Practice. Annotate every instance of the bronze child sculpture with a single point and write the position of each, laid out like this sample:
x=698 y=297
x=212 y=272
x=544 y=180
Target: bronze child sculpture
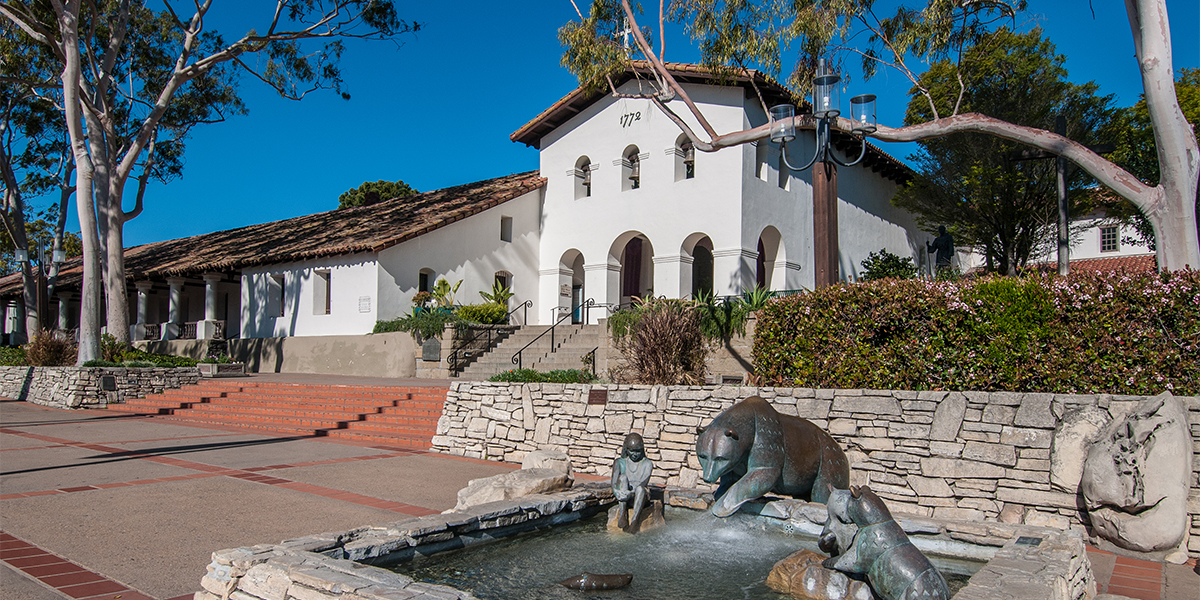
x=631 y=479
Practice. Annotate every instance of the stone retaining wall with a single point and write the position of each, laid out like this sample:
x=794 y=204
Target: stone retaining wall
x=81 y=387
x=946 y=455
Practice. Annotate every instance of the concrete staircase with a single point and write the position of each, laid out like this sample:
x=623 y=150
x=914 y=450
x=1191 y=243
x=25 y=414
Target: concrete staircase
x=571 y=343
x=398 y=416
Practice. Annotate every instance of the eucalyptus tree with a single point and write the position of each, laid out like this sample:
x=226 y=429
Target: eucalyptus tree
x=1005 y=208
x=738 y=34
x=34 y=156
x=134 y=79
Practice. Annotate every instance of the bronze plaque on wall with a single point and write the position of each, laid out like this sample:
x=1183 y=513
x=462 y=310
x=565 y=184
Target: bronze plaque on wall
x=598 y=396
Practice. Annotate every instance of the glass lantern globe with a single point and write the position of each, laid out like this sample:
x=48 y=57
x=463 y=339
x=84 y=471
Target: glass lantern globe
x=862 y=112
x=782 y=128
x=827 y=101
x=22 y=256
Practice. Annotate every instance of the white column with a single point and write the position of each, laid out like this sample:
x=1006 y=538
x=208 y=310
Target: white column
x=64 y=311
x=137 y=331
x=673 y=276
x=207 y=329
x=170 y=329
x=602 y=282
x=733 y=271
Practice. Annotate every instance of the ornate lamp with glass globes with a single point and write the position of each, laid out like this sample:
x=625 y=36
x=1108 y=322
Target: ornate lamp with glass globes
x=826 y=108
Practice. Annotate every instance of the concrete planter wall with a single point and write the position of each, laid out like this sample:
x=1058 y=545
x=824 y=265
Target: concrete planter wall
x=89 y=387
x=946 y=455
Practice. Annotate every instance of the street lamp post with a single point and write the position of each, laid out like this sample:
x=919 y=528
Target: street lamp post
x=826 y=109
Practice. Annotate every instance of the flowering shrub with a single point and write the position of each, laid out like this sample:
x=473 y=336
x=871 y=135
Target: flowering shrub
x=1113 y=333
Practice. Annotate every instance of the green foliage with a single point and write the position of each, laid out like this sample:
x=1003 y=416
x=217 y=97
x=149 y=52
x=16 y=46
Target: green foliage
x=664 y=345
x=216 y=360
x=443 y=292
x=96 y=362
x=422 y=299
x=500 y=294
x=884 y=264
x=1087 y=333
x=489 y=313
x=372 y=192
x=720 y=320
x=423 y=324
x=111 y=349
x=12 y=356
x=756 y=298
x=532 y=376
x=133 y=355
x=50 y=349
x=1004 y=208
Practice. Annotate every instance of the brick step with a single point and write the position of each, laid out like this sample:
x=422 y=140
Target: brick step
x=402 y=421
x=141 y=406
x=319 y=395
x=415 y=442
x=302 y=422
x=272 y=426
x=365 y=427
x=280 y=412
x=326 y=401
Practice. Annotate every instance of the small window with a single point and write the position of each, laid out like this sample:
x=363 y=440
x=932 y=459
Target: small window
x=631 y=169
x=506 y=229
x=761 y=149
x=685 y=159
x=279 y=288
x=423 y=280
x=1110 y=241
x=582 y=174
x=784 y=172
x=321 y=292
x=502 y=279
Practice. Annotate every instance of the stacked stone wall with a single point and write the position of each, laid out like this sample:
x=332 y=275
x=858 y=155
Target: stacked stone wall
x=81 y=387
x=946 y=455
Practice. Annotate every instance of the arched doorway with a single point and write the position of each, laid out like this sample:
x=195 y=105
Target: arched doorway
x=700 y=248
x=635 y=255
x=770 y=266
x=570 y=279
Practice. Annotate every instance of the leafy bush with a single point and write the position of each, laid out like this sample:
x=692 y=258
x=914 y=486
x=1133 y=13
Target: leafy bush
x=722 y=319
x=12 y=356
x=663 y=344
x=423 y=324
x=96 y=362
x=111 y=349
x=500 y=294
x=532 y=376
x=489 y=313
x=885 y=265
x=138 y=364
x=1115 y=333
x=51 y=349
x=216 y=360
x=133 y=355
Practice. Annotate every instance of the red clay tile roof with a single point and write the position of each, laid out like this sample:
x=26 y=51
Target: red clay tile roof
x=1133 y=264
x=336 y=232
x=773 y=92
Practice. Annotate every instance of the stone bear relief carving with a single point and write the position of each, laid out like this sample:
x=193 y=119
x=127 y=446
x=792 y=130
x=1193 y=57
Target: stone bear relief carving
x=1135 y=478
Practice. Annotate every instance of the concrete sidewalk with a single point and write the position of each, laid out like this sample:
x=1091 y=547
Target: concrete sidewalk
x=96 y=505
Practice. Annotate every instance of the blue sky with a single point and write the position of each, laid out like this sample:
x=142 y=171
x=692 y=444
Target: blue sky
x=438 y=110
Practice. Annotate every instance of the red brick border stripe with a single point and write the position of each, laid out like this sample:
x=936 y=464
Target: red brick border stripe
x=61 y=574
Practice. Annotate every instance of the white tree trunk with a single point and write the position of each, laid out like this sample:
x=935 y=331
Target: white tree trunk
x=89 y=318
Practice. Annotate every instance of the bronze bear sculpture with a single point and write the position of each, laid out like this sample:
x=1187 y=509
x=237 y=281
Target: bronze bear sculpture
x=753 y=449
x=864 y=539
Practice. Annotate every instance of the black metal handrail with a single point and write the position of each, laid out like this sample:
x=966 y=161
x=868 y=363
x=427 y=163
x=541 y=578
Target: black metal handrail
x=517 y=358
x=590 y=358
x=524 y=314
x=459 y=354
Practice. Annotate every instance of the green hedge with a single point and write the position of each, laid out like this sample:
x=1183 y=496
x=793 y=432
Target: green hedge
x=532 y=376
x=1088 y=333
x=488 y=313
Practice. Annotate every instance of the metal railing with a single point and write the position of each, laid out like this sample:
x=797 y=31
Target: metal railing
x=458 y=359
x=517 y=358
x=524 y=308
x=590 y=359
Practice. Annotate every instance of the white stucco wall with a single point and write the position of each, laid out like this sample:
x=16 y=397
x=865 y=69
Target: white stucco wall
x=354 y=303
x=665 y=211
x=470 y=250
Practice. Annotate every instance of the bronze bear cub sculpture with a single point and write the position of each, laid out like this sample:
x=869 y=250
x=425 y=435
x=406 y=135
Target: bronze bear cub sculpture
x=863 y=539
x=753 y=449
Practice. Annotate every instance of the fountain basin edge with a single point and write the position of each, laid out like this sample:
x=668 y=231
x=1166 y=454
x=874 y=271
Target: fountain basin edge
x=1022 y=560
